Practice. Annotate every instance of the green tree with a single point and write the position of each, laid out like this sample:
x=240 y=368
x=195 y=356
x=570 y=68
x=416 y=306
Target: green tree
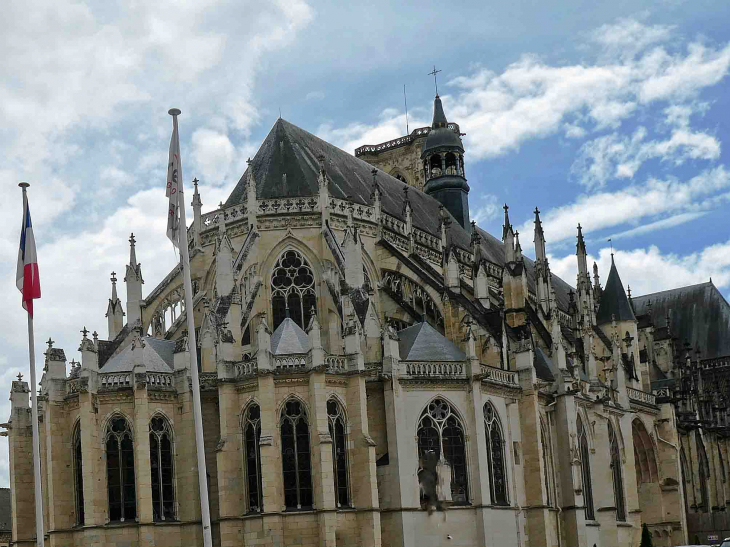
x=645 y=537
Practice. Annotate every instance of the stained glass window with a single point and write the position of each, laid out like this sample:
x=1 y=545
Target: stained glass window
x=252 y=439
x=616 y=469
x=440 y=430
x=120 y=470
x=295 y=456
x=338 y=432
x=495 y=456
x=292 y=285
x=585 y=468
x=161 y=468
x=78 y=475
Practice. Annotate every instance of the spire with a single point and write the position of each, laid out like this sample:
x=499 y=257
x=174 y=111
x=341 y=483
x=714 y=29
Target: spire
x=581 y=245
x=506 y=226
x=518 y=247
x=540 y=253
x=614 y=302
x=134 y=281
x=114 y=311
x=582 y=255
x=596 y=278
x=439 y=118
x=508 y=237
x=132 y=252
x=114 y=287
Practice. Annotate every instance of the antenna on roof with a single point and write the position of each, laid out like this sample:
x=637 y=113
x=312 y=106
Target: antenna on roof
x=609 y=240
x=405 y=102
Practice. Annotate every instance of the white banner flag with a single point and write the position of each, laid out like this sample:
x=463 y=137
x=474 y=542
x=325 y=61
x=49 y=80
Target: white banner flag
x=174 y=172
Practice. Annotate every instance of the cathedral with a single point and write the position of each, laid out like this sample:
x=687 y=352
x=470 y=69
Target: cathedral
x=377 y=370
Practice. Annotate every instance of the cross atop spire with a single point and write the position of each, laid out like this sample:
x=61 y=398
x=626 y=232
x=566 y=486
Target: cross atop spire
x=84 y=331
x=114 y=278
x=50 y=343
x=132 y=252
x=195 y=182
x=435 y=83
x=20 y=377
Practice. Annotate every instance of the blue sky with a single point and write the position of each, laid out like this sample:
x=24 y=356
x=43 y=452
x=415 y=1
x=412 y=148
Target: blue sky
x=607 y=114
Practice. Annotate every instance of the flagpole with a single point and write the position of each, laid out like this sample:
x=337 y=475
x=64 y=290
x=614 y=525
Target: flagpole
x=40 y=536
x=192 y=347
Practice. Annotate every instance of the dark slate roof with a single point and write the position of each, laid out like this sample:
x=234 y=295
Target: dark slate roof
x=440 y=135
x=289 y=338
x=614 y=302
x=421 y=342
x=699 y=314
x=5 y=510
x=294 y=151
x=157 y=356
x=543 y=366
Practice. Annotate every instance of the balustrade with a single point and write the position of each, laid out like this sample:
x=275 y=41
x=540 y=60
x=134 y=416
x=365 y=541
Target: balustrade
x=434 y=368
x=640 y=396
x=499 y=376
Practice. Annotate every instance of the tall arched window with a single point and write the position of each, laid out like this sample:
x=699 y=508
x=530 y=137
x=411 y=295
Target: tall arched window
x=618 y=481
x=722 y=463
x=440 y=430
x=704 y=474
x=495 y=456
x=686 y=478
x=78 y=475
x=547 y=460
x=120 y=470
x=644 y=456
x=292 y=285
x=162 y=469
x=585 y=469
x=338 y=432
x=252 y=447
x=295 y=456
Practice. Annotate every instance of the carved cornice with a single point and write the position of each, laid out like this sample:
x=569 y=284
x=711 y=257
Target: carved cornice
x=302 y=380
x=434 y=383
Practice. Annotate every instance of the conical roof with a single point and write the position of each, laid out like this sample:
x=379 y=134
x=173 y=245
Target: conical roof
x=439 y=118
x=157 y=356
x=441 y=137
x=614 y=302
x=289 y=338
x=422 y=342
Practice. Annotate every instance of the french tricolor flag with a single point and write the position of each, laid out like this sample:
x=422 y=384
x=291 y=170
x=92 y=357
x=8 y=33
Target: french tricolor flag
x=27 y=278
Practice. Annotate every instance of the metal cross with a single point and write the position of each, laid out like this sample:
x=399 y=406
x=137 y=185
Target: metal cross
x=114 y=277
x=435 y=83
x=195 y=182
x=20 y=377
x=84 y=332
x=50 y=343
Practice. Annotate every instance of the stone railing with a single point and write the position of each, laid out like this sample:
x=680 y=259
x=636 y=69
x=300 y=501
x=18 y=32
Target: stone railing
x=662 y=393
x=499 y=376
x=435 y=368
x=159 y=380
x=115 y=380
x=640 y=396
x=336 y=363
x=295 y=361
x=717 y=362
x=76 y=385
x=400 y=141
x=359 y=212
x=245 y=368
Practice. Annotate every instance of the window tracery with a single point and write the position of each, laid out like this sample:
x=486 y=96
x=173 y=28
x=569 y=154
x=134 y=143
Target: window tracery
x=338 y=432
x=495 y=456
x=585 y=468
x=252 y=447
x=78 y=475
x=292 y=287
x=162 y=469
x=441 y=431
x=414 y=296
x=618 y=483
x=296 y=456
x=120 y=470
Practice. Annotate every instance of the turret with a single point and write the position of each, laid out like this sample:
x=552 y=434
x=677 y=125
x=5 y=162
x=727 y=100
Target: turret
x=114 y=311
x=89 y=353
x=508 y=237
x=543 y=277
x=134 y=282
x=443 y=164
x=586 y=307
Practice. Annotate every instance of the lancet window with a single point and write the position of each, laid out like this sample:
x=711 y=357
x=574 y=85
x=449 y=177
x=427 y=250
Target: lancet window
x=292 y=289
x=162 y=469
x=618 y=482
x=296 y=456
x=440 y=430
x=120 y=470
x=411 y=295
x=338 y=432
x=646 y=468
x=585 y=469
x=686 y=478
x=252 y=448
x=78 y=475
x=704 y=473
x=495 y=456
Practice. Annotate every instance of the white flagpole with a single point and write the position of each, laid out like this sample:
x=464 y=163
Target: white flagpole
x=40 y=536
x=192 y=347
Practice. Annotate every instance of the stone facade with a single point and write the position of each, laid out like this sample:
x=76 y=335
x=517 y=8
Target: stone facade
x=431 y=340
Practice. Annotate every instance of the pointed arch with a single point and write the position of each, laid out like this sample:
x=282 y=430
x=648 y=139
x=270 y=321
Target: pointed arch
x=78 y=473
x=617 y=473
x=162 y=467
x=703 y=473
x=441 y=430
x=585 y=469
x=119 y=446
x=644 y=454
x=251 y=430
x=337 y=425
x=496 y=459
x=293 y=288
x=295 y=455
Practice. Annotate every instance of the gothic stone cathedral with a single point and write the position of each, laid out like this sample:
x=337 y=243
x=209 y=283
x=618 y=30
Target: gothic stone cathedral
x=377 y=370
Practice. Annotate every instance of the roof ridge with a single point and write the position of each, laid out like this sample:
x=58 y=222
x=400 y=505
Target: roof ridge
x=704 y=283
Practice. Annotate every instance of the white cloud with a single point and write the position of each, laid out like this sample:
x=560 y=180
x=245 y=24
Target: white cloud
x=669 y=222
x=635 y=203
x=314 y=96
x=649 y=270
x=486 y=208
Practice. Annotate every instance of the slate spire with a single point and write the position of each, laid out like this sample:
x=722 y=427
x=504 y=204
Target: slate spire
x=614 y=302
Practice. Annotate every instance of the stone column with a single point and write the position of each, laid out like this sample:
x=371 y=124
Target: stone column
x=230 y=479
x=141 y=418
x=271 y=469
x=20 y=444
x=363 y=479
x=603 y=496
